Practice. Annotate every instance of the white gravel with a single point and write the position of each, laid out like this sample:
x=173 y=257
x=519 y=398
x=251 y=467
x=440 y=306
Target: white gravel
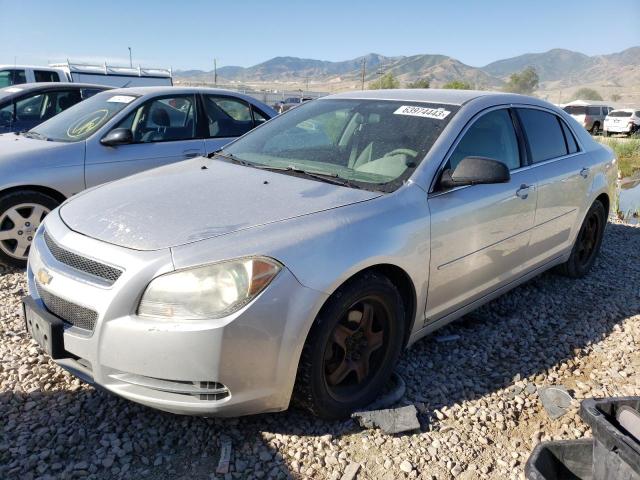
x=476 y=395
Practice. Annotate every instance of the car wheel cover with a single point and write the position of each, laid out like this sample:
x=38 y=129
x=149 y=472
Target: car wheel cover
x=588 y=239
x=356 y=348
x=18 y=225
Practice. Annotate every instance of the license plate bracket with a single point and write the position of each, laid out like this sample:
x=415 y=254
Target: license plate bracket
x=46 y=329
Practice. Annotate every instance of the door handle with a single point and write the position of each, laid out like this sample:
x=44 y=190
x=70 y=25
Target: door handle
x=523 y=191
x=584 y=173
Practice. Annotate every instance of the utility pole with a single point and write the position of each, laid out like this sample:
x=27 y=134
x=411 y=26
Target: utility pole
x=130 y=58
x=307 y=83
x=215 y=72
x=363 y=71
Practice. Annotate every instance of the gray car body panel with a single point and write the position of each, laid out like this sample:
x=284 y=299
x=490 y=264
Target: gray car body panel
x=60 y=166
x=222 y=198
x=459 y=248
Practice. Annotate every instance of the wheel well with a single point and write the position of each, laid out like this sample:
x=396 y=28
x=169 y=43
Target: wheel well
x=59 y=197
x=604 y=198
x=404 y=284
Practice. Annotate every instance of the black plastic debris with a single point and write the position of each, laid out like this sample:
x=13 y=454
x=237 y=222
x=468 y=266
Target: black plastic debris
x=561 y=460
x=613 y=452
x=616 y=449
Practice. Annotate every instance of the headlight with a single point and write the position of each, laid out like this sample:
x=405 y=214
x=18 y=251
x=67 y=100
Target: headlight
x=211 y=291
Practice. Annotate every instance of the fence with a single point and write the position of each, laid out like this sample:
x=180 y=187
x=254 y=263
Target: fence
x=270 y=97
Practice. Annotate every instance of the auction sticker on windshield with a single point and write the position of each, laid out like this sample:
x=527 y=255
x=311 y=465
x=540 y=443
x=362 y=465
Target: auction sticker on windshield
x=121 y=99
x=436 y=113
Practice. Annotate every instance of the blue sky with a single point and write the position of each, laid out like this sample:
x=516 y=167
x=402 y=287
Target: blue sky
x=189 y=34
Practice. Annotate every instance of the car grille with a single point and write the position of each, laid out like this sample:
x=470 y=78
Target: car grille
x=86 y=265
x=69 y=312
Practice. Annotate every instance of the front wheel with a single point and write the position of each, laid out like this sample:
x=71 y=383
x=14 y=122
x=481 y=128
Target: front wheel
x=20 y=215
x=588 y=242
x=352 y=347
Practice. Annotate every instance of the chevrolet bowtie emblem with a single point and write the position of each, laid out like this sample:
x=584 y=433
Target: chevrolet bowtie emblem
x=44 y=278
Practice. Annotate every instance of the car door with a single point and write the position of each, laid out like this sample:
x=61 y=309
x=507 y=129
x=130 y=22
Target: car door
x=480 y=233
x=563 y=176
x=164 y=129
x=227 y=118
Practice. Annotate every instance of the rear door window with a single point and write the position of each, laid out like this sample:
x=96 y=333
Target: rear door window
x=491 y=136
x=544 y=134
x=46 y=76
x=593 y=110
x=572 y=144
x=227 y=116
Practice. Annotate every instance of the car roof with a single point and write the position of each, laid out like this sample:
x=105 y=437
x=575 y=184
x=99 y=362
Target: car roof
x=435 y=95
x=31 y=87
x=173 y=89
x=596 y=103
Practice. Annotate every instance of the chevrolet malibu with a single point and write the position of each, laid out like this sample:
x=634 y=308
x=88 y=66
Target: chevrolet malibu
x=298 y=262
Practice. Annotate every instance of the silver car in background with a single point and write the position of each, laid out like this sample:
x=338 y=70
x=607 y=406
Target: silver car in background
x=109 y=136
x=299 y=261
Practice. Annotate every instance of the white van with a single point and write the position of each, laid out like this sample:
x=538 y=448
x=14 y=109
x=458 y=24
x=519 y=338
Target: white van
x=108 y=75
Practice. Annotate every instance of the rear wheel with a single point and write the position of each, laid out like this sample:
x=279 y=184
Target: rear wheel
x=595 y=128
x=352 y=347
x=588 y=242
x=20 y=215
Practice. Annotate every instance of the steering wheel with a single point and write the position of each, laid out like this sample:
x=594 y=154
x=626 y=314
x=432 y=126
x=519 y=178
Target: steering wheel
x=402 y=151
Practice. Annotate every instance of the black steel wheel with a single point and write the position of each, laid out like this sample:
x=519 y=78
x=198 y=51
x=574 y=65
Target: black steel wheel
x=588 y=242
x=352 y=347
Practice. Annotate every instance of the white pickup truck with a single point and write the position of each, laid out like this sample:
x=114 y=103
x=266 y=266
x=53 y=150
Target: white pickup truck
x=108 y=75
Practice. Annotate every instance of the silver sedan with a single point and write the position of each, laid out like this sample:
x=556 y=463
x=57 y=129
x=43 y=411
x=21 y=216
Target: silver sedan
x=299 y=261
x=110 y=136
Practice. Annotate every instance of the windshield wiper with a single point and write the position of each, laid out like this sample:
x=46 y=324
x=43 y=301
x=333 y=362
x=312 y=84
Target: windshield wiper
x=31 y=134
x=332 y=178
x=232 y=157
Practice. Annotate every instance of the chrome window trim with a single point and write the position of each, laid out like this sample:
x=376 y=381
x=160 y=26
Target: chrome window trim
x=478 y=115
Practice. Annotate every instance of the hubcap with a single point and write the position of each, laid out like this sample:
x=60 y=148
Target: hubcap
x=588 y=238
x=18 y=225
x=356 y=347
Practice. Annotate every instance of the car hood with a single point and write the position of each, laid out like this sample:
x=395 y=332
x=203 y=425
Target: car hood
x=197 y=199
x=12 y=145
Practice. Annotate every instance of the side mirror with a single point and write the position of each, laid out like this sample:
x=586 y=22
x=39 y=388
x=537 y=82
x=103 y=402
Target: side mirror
x=117 y=136
x=475 y=170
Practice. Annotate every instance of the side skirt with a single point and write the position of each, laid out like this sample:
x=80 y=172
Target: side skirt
x=441 y=322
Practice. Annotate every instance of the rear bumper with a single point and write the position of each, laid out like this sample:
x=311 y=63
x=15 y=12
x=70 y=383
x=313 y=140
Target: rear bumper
x=241 y=364
x=618 y=128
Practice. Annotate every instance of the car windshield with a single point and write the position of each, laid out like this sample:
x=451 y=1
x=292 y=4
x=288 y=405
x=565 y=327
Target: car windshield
x=619 y=113
x=576 y=109
x=372 y=144
x=83 y=119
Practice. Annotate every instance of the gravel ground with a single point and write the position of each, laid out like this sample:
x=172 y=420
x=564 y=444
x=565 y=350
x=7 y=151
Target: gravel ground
x=476 y=394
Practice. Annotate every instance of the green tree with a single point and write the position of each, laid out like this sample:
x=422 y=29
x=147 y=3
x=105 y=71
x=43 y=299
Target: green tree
x=420 y=83
x=457 y=85
x=586 y=94
x=524 y=82
x=385 y=81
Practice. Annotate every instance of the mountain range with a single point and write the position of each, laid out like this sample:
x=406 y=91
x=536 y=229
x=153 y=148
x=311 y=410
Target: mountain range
x=557 y=69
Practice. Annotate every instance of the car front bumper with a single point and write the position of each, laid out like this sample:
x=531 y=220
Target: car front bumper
x=241 y=364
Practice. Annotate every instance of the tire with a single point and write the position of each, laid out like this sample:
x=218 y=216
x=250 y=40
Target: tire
x=20 y=215
x=594 y=128
x=587 y=244
x=343 y=340
x=606 y=133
